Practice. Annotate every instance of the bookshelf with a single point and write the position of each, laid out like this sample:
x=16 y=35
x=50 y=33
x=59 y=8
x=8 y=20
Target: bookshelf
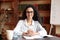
x=44 y=15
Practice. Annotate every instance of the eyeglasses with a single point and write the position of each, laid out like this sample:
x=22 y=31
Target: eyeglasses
x=29 y=11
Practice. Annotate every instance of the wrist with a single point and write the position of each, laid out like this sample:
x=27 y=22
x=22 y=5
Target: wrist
x=36 y=33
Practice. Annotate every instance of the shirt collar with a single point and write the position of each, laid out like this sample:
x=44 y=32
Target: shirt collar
x=27 y=24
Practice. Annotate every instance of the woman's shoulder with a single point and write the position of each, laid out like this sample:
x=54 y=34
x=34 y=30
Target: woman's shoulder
x=36 y=22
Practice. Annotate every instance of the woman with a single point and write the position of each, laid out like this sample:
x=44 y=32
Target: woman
x=29 y=26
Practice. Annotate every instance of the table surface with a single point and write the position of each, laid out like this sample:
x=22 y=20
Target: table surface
x=47 y=38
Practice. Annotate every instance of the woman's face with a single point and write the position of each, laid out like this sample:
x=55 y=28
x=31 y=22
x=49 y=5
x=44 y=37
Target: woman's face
x=29 y=13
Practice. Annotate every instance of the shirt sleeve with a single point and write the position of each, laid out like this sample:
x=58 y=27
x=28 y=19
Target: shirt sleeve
x=41 y=30
x=17 y=31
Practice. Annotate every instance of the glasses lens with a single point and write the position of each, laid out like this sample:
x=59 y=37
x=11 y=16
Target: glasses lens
x=29 y=11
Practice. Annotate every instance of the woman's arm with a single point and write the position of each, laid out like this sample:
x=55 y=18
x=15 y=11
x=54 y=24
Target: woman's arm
x=17 y=30
x=41 y=30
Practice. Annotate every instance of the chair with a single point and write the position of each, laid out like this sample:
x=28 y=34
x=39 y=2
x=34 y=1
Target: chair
x=9 y=34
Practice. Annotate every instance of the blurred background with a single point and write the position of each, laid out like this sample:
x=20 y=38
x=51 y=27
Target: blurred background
x=11 y=13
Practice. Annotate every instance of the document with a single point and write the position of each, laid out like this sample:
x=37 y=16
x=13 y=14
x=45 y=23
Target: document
x=32 y=37
x=36 y=36
x=49 y=36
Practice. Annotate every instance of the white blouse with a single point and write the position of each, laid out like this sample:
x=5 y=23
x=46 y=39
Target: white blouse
x=22 y=26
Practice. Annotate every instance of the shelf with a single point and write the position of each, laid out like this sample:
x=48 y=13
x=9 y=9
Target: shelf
x=44 y=20
x=44 y=13
x=36 y=2
x=44 y=7
x=6 y=0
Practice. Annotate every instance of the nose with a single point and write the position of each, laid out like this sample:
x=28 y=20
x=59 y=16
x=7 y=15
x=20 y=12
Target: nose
x=28 y=14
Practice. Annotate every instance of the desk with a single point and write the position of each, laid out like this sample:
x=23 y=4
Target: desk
x=48 y=38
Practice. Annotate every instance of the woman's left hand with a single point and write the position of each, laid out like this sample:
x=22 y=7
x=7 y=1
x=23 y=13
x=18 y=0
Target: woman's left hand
x=31 y=33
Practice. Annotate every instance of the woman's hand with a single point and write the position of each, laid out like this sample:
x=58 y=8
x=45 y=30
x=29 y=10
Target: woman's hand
x=24 y=33
x=31 y=33
x=28 y=33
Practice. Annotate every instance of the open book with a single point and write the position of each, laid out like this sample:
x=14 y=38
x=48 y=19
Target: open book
x=36 y=36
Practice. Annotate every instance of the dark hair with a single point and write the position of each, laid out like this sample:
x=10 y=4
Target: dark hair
x=35 y=17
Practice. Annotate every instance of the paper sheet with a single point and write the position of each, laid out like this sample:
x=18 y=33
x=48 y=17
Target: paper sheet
x=32 y=37
x=49 y=36
x=36 y=36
